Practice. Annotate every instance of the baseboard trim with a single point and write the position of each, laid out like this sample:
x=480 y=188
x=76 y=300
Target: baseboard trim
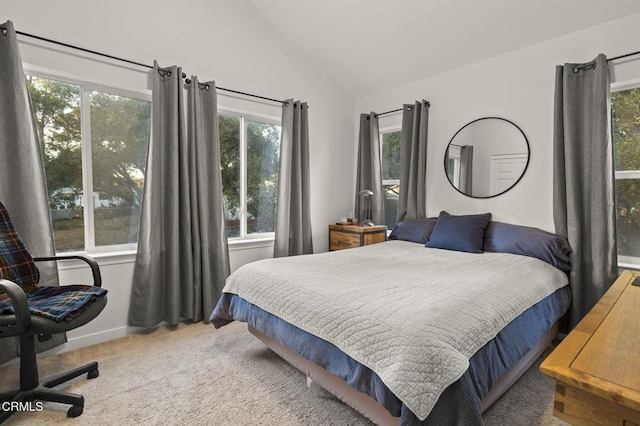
x=87 y=340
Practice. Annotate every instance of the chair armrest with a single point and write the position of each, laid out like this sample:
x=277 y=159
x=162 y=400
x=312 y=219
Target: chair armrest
x=95 y=269
x=20 y=306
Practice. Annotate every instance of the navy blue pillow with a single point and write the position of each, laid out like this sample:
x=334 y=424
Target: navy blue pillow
x=526 y=241
x=459 y=233
x=417 y=230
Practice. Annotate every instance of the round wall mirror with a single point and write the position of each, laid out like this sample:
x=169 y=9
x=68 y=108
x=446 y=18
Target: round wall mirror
x=486 y=157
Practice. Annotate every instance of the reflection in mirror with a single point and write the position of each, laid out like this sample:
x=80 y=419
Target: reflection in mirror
x=486 y=157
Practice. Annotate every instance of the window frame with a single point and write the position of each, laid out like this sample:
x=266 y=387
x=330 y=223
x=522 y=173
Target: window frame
x=245 y=116
x=629 y=262
x=86 y=87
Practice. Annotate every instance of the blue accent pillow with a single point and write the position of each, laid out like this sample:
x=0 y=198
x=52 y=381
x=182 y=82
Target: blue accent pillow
x=417 y=230
x=526 y=241
x=459 y=233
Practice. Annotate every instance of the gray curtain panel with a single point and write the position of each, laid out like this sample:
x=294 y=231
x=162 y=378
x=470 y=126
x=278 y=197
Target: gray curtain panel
x=369 y=172
x=293 y=211
x=412 y=202
x=209 y=231
x=583 y=180
x=182 y=261
x=23 y=187
x=466 y=169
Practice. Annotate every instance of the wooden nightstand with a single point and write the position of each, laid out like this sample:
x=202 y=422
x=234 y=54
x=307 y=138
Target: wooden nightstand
x=597 y=366
x=349 y=236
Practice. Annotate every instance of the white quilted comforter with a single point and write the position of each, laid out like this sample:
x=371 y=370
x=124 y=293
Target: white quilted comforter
x=413 y=315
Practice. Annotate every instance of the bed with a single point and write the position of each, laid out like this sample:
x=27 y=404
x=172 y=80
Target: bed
x=408 y=334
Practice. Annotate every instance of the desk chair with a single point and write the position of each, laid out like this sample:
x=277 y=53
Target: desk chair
x=28 y=310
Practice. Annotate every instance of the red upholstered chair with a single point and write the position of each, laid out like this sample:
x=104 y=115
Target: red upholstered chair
x=28 y=310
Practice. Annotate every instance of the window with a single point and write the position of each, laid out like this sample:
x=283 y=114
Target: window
x=94 y=144
x=250 y=155
x=390 y=146
x=625 y=106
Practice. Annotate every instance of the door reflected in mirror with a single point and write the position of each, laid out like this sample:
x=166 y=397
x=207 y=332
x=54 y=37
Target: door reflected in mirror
x=486 y=157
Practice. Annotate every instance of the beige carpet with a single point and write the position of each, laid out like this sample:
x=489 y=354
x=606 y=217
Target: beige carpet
x=197 y=375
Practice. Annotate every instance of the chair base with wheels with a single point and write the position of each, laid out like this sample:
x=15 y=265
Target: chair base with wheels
x=44 y=391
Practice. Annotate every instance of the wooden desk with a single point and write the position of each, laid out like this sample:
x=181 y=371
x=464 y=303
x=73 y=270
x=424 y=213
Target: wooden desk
x=597 y=366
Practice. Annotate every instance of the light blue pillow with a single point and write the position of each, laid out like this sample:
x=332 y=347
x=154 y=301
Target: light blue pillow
x=459 y=233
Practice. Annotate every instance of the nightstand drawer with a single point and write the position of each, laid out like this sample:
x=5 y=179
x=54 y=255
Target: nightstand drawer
x=351 y=236
x=343 y=240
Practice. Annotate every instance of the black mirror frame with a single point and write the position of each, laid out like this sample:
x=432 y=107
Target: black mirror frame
x=523 y=171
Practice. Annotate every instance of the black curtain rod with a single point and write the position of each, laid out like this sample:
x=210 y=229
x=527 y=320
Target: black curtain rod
x=593 y=64
x=93 y=52
x=623 y=56
x=395 y=110
x=389 y=112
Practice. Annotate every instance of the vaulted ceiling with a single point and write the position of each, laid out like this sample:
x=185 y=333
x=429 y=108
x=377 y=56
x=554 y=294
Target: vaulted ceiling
x=371 y=45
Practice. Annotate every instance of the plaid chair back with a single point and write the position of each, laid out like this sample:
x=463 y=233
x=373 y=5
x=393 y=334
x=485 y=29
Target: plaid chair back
x=16 y=264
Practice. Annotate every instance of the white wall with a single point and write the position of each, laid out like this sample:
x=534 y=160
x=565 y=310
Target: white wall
x=219 y=40
x=518 y=86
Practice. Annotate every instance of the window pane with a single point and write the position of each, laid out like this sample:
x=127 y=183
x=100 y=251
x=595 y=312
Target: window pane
x=626 y=143
x=263 y=153
x=451 y=170
x=230 y=164
x=625 y=120
x=391 y=195
x=57 y=111
x=391 y=142
x=119 y=144
x=628 y=217
x=391 y=155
